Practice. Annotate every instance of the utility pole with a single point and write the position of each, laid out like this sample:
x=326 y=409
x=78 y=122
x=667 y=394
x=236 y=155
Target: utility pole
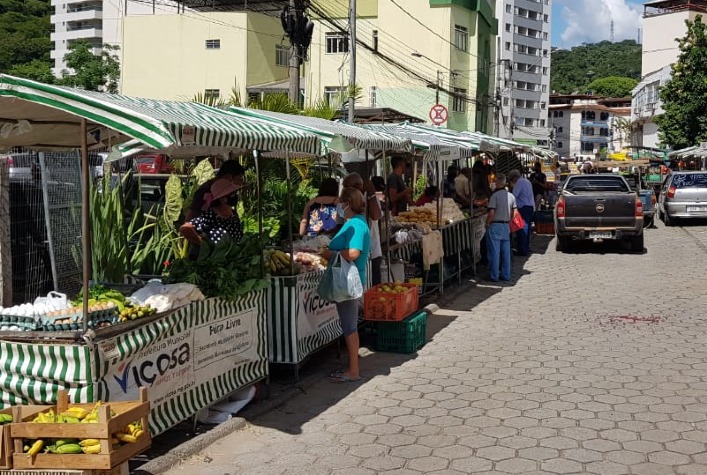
x=439 y=84
x=352 y=59
x=294 y=60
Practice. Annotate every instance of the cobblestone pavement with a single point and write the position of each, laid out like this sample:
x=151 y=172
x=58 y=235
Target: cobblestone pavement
x=592 y=361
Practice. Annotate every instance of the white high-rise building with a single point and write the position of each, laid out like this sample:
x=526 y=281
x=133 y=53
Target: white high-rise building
x=523 y=77
x=97 y=22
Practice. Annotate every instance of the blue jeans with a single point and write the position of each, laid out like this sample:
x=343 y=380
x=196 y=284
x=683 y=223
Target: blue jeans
x=523 y=235
x=499 y=252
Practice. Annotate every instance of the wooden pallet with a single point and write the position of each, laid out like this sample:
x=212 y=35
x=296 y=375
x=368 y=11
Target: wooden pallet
x=107 y=459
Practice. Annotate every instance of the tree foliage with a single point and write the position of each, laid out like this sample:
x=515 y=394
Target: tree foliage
x=24 y=36
x=612 y=86
x=573 y=70
x=90 y=71
x=684 y=121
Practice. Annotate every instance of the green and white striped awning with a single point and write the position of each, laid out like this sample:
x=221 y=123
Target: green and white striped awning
x=328 y=131
x=434 y=147
x=42 y=115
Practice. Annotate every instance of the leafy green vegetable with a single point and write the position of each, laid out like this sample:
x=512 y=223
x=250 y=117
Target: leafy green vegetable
x=228 y=269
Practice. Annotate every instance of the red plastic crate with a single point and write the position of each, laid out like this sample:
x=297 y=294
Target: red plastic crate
x=383 y=306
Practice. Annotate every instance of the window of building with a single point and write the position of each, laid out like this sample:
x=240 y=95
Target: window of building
x=508 y=45
x=213 y=44
x=545 y=36
x=529 y=122
x=505 y=101
x=508 y=27
x=588 y=115
x=542 y=122
x=546 y=18
x=545 y=70
x=587 y=147
x=282 y=55
x=604 y=116
x=333 y=95
x=375 y=40
x=461 y=37
x=560 y=145
x=373 y=95
x=559 y=130
x=544 y=88
x=211 y=94
x=509 y=8
x=459 y=102
x=543 y=105
x=337 y=43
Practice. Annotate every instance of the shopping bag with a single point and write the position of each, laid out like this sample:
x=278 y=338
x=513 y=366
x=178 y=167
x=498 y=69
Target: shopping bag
x=340 y=281
x=517 y=223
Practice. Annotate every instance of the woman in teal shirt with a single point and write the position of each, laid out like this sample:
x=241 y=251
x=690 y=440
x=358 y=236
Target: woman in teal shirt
x=352 y=242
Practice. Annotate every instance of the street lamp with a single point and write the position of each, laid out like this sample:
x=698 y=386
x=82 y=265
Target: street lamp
x=417 y=54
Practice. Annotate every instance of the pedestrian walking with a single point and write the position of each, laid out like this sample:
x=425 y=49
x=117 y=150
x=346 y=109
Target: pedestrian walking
x=502 y=207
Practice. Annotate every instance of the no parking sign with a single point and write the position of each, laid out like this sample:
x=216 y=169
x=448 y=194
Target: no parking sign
x=438 y=114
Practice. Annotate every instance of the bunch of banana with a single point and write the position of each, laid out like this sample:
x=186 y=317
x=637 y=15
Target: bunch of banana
x=279 y=262
x=48 y=417
x=64 y=446
x=75 y=412
x=32 y=447
x=131 y=313
x=90 y=446
x=130 y=433
x=5 y=419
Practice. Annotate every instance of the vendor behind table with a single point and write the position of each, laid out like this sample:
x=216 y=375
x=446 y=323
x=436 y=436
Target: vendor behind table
x=320 y=215
x=218 y=219
x=399 y=193
x=231 y=171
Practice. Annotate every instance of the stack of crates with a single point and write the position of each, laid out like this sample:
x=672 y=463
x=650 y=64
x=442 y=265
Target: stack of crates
x=401 y=327
x=544 y=222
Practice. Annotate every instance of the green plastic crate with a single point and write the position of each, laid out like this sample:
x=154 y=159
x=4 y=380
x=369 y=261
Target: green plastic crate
x=406 y=336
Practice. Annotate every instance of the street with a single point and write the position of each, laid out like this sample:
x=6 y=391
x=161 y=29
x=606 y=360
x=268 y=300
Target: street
x=592 y=361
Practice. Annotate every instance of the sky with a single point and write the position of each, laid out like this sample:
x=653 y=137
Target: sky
x=588 y=21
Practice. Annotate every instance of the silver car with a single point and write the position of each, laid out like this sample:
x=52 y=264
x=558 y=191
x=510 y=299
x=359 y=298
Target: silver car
x=683 y=195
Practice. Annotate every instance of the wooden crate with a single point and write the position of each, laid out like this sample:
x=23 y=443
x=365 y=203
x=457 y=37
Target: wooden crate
x=122 y=469
x=107 y=459
x=544 y=228
x=6 y=439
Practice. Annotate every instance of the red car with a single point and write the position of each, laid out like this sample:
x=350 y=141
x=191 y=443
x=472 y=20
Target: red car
x=154 y=164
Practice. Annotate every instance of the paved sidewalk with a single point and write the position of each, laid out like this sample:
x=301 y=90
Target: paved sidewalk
x=589 y=362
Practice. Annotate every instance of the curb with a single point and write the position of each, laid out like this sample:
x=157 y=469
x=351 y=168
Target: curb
x=187 y=449
x=192 y=447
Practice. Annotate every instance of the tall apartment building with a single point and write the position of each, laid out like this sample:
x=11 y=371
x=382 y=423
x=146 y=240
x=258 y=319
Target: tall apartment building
x=97 y=22
x=523 y=77
x=663 y=21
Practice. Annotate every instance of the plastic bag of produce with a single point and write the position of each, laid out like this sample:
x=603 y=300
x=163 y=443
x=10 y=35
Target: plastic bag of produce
x=340 y=281
x=53 y=301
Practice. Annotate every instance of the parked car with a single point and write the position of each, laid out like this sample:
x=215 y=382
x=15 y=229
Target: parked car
x=647 y=197
x=683 y=196
x=23 y=166
x=598 y=207
x=153 y=164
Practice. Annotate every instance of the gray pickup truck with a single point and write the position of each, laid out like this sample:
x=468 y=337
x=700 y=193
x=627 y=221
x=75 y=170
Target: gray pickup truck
x=598 y=207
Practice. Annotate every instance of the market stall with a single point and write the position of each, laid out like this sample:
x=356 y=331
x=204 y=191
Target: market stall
x=189 y=354
x=299 y=322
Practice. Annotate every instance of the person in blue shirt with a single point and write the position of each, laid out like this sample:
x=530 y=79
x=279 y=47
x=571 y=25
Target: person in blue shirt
x=523 y=191
x=352 y=242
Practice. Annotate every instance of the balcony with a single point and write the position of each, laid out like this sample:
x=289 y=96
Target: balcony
x=602 y=124
x=83 y=15
x=594 y=139
x=83 y=34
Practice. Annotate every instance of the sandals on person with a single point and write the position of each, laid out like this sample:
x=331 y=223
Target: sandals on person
x=342 y=378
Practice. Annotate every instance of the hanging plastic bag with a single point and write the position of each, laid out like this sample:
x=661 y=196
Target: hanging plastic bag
x=340 y=282
x=53 y=301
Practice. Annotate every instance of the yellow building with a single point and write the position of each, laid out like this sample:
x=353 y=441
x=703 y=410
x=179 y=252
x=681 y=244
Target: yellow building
x=178 y=56
x=410 y=52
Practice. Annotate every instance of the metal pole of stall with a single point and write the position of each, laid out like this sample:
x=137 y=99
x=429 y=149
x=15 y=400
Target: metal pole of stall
x=289 y=212
x=472 y=234
x=85 y=220
x=387 y=218
x=259 y=199
x=440 y=208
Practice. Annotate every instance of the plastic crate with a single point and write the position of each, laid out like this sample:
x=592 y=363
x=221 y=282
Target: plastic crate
x=406 y=336
x=379 y=305
x=544 y=228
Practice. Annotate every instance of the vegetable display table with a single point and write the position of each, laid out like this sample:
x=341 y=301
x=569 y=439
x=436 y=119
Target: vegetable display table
x=189 y=358
x=299 y=322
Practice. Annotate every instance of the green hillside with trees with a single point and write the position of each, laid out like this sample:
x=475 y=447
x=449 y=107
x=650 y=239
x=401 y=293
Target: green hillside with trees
x=574 y=69
x=24 y=36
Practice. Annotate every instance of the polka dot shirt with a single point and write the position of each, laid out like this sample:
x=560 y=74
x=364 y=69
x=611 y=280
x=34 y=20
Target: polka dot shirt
x=214 y=227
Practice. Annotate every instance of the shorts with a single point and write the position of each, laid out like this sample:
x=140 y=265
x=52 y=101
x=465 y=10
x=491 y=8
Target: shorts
x=348 y=315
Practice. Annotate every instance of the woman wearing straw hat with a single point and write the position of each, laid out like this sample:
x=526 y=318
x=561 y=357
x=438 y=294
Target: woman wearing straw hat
x=218 y=219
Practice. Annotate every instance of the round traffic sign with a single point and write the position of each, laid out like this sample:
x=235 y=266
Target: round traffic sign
x=438 y=114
